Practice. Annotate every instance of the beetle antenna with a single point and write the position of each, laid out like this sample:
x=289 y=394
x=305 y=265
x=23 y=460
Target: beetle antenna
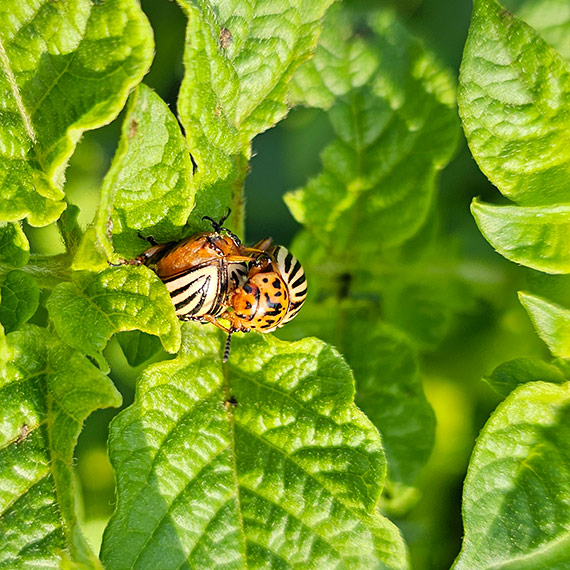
x=227 y=349
x=225 y=217
x=215 y=225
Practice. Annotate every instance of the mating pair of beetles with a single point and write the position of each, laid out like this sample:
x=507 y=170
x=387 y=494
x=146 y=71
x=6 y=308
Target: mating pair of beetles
x=212 y=275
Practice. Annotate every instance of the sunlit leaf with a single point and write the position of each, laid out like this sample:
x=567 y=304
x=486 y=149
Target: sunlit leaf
x=514 y=99
x=65 y=67
x=14 y=246
x=388 y=382
x=552 y=322
x=264 y=463
x=537 y=237
x=47 y=392
x=86 y=314
x=550 y=18
x=148 y=189
x=238 y=59
x=515 y=503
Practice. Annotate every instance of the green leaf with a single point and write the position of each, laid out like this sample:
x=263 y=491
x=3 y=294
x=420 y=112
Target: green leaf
x=388 y=382
x=47 y=391
x=264 y=463
x=422 y=301
x=14 y=246
x=91 y=52
x=537 y=237
x=238 y=60
x=552 y=322
x=148 y=188
x=396 y=127
x=138 y=347
x=508 y=375
x=550 y=18
x=390 y=393
x=515 y=501
x=514 y=100
x=88 y=313
x=552 y=287
x=20 y=296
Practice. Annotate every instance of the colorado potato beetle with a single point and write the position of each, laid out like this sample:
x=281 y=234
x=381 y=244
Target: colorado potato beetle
x=212 y=276
x=200 y=271
x=273 y=293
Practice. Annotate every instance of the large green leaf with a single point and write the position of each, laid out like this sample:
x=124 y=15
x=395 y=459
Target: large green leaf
x=87 y=313
x=514 y=99
x=47 y=392
x=537 y=237
x=238 y=59
x=20 y=299
x=388 y=382
x=148 y=189
x=14 y=246
x=516 y=510
x=396 y=127
x=264 y=463
x=64 y=67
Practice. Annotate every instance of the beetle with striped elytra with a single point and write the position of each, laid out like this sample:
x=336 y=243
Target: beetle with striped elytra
x=212 y=276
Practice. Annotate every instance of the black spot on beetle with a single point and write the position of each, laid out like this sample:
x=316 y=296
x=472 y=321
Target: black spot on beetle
x=275 y=313
x=271 y=304
x=247 y=305
x=277 y=283
x=265 y=280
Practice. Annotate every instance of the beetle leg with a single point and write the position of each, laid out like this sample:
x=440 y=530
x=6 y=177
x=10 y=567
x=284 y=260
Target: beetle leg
x=217 y=323
x=261 y=246
x=227 y=347
x=239 y=258
x=146 y=256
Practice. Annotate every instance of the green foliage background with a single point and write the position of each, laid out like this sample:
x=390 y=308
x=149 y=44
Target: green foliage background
x=448 y=301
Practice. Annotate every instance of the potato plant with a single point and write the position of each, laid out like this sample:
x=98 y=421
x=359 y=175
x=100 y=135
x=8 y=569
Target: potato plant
x=309 y=448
